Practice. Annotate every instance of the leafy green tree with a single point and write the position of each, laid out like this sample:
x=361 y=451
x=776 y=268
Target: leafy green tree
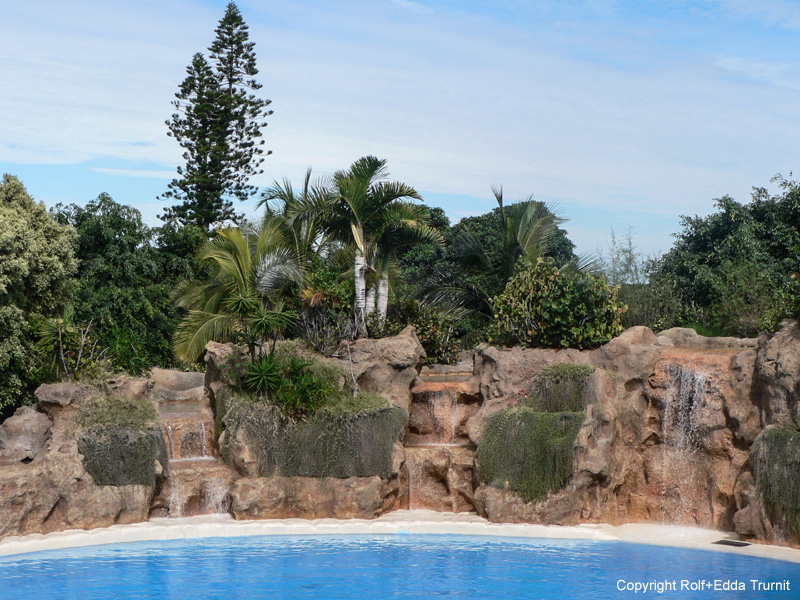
x=126 y=275
x=353 y=206
x=37 y=266
x=243 y=297
x=401 y=225
x=546 y=306
x=218 y=124
x=734 y=267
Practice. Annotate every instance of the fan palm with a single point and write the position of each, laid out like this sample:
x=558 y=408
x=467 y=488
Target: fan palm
x=287 y=208
x=243 y=298
x=527 y=230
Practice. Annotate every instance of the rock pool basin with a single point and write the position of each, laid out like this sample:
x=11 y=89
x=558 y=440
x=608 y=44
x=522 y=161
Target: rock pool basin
x=407 y=554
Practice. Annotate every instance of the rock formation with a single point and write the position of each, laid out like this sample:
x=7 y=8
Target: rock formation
x=678 y=429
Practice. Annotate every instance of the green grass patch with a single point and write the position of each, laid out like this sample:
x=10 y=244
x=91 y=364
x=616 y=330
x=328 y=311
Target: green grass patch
x=560 y=387
x=776 y=460
x=528 y=451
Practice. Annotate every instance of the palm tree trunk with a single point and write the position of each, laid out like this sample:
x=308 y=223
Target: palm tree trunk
x=383 y=297
x=383 y=288
x=371 y=300
x=360 y=302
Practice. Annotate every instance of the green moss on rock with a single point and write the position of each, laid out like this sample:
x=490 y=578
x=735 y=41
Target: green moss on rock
x=560 y=387
x=120 y=440
x=776 y=465
x=528 y=451
x=348 y=438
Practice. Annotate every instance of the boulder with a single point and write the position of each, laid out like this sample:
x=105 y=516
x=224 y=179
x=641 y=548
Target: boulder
x=54 y=492
x=169 y=385
x=440 y=478
x=778 y=369
x=23 y=435
x=308 y=498
x=504 y=506
x=387 y=366
x=54 y=397
x=126 y=386
x=687 y=337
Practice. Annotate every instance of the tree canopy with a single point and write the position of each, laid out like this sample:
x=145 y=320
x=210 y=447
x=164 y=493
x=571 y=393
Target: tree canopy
x=37 y=265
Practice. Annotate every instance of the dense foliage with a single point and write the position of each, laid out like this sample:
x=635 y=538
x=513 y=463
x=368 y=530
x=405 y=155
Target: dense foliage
x=734 y=267
x=776 y=461
x=545 y=306
x=346 y=437
x=126 y=276
x=37 y=265
x=121 y=441
x=560 y=387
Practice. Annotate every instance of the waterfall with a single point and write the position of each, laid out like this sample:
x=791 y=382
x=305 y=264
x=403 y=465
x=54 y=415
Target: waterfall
x=684 y=400
x=443 y=409
x=439 y=453
x=198 y=482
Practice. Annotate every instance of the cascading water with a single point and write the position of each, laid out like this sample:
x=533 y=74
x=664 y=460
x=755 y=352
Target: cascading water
x=198 y=482
x=439 y=454
x=684 y=400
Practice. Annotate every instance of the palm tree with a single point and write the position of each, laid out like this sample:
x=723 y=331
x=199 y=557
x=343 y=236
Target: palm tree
x=305 y=228
x=401 y=224
x=527 y=230
x=243 y=298
x=352 y=207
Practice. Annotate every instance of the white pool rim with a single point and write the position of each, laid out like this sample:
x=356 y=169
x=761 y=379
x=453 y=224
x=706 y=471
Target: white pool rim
x=397 y=522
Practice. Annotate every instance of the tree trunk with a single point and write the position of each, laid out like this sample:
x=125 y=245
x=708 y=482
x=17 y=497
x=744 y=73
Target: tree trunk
x=371 y=300
x=360 y=300
x=383 y=298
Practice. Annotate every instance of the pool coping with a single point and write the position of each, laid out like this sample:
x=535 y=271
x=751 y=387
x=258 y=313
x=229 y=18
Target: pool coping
x=397 y=522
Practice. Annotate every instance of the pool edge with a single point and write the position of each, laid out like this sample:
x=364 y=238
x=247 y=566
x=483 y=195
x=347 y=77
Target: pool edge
x=398 y=522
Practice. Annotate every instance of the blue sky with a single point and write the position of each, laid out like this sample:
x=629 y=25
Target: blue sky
x=624 y=114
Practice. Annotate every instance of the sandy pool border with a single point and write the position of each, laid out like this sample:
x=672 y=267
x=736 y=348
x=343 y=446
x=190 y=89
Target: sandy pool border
x=397 y=522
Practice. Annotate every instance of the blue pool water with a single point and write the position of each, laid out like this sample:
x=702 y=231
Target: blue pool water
x=399 y=566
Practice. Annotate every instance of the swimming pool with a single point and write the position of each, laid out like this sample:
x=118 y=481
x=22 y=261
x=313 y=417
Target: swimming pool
x=388 y=566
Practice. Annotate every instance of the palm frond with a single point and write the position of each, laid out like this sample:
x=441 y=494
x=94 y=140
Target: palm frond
x=197 y=329
x=277 y=268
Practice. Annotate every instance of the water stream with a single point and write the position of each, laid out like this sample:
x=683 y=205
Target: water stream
x=198 y=481
x=684 y=400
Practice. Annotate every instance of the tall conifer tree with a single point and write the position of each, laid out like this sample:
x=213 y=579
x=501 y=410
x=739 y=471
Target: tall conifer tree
x=218 y=124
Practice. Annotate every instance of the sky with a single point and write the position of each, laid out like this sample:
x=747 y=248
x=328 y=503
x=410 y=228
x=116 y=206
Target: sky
x=623 y=114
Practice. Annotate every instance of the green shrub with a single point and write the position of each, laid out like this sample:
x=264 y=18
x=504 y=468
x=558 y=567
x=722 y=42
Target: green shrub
x=290 y=378
x=118 y=410
x=776 y=463
x=529 y=452
x=560 y=387
x=37 y=268
x=120 y=440
x=21 y=361
x=542 y=306
x=71 y=349
x=435 y=331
